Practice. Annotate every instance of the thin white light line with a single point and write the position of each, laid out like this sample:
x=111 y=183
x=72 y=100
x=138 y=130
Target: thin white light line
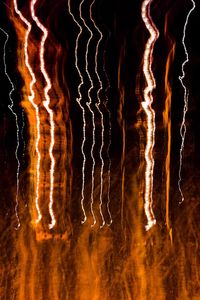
x=92 y=112
x=11 y=107
x=101 y=113
x=79 y=100
x=183 y=128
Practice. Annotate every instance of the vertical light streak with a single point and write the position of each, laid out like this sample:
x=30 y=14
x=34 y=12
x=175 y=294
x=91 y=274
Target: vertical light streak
x=46 y=104
x=10 y=106
x=106 y=102
x=167 y=126
x=122 y=122
x=101 y=113
x=79 y=100
x=90 y=109
x=150 y=114
x=186 y=95
x=22 y=134
x=31 y=98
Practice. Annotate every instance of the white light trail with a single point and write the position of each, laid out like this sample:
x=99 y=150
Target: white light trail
x=79 y=100
x=46 y=104
x=11 y=107
x=92 y=112
x=31 y=98
x=186 y=95
x=150 y=114
x=101 y=113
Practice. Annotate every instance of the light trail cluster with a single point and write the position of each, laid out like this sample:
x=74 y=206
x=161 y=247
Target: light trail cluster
x=89 y=104
x=95 y=106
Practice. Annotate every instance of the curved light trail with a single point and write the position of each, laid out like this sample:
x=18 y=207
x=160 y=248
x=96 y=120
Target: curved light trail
x=150 y=114
x=46 y=104
x=79 y=100
x=90 y=108
x=31 y=98
x=11 y=107
x=101 y=113
x=183 y=128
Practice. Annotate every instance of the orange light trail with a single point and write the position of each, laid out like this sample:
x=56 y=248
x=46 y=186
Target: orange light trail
x=31 y=98
x=168 y=125
x=79 y=99
x=46 y=104
x=150 y=114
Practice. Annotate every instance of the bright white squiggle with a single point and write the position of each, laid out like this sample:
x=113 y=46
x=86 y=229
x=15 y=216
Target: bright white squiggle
x=101 y=113
x=79 y=100
x=90 y=109
x=49 y=110
x=31 y=98
x=146 y=104
x=106 y=103
x=186 y=95
x=11 y=107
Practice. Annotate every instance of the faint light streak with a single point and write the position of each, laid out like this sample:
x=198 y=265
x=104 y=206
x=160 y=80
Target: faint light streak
x=101 y=113
x=22 y=134
x=79 y=100
x=183 y=128
x=122 y=121
x=92 y=112
x=10 y=106
x=151 y=84
x=31 y=98
x=168 y=125
x=46 y=104
x=109 y=134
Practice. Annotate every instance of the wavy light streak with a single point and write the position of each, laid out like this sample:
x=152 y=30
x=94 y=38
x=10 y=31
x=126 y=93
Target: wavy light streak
x=79 y=100
x=150 y=114
x=31 y=98
x=46 y=104
x=90 y=108
x=183 y=128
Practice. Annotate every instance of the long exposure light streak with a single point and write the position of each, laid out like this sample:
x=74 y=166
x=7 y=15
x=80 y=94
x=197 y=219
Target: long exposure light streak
x=183 y=128
x=79 y=100
x=90 y=108
x=150 y=114
x=101 y=113
x=46 y=104
x=22 y=135
x=106 y=104
x=168 y=124
x=11 y=107
x=31 y=98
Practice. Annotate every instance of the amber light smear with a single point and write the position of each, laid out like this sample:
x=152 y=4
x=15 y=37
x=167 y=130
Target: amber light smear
x=167 y=126
x=150 y=113
x=46 y=104
x=31 y=98
x=122 y=124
